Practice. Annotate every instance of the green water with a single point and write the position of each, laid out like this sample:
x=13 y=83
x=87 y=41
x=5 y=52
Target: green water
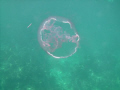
x=24 y=65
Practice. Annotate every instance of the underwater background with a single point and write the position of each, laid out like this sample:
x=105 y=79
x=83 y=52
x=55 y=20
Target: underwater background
x=24 y=65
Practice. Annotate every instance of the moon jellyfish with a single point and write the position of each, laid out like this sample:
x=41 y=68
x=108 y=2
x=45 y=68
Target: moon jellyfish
x=58 y=37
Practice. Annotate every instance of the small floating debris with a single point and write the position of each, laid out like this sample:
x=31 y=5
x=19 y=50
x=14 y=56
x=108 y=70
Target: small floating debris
x=29 y=25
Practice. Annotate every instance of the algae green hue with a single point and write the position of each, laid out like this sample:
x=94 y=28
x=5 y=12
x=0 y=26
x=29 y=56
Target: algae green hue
x=24 y=65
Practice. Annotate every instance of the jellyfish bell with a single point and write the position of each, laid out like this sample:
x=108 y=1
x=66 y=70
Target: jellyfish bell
x=58 y=37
